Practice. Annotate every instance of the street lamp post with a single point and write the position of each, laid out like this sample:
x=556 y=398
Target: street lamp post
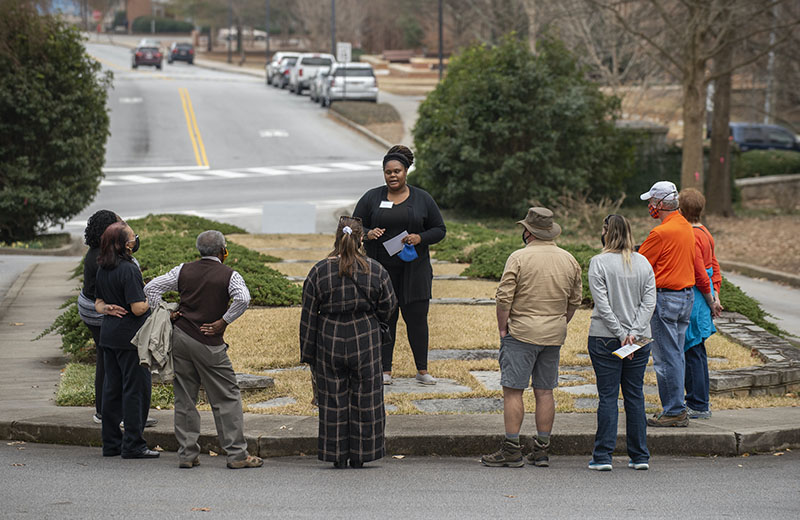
x=267 y=32
x=441 y=41
x=333 y=27
x=230 y=23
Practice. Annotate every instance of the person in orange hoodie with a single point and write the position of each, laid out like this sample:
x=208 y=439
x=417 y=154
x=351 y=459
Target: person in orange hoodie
x=701 y=324
x=670 y=249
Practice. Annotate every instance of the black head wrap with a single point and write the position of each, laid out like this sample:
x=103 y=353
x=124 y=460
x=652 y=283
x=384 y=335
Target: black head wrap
x=402 y=159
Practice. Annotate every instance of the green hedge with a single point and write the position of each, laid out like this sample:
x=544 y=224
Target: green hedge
x=166 y=241
x=758 y=163
x=163 y=25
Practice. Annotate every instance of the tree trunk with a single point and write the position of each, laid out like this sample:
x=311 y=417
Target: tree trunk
x=530 y=11
x=210 y=44
x=694 y=101
x=719 y=195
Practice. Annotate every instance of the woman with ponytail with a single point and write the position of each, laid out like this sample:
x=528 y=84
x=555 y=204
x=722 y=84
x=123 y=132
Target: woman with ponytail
x=624 y=292
x=347 y=301
x=387 y=211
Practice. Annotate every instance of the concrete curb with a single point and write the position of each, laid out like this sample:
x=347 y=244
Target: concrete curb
x=367 y=133
x=74 y=248
x=672 y=441
x=755 y=271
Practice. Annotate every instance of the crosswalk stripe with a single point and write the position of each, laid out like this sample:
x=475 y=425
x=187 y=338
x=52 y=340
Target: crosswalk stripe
x=269 y=171
x=139 y=179
x=351 y=166
x=308 y=169
x=108 y=183
x=226 y=174
x=184 y=176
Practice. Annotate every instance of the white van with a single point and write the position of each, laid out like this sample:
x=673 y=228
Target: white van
x=306 y=68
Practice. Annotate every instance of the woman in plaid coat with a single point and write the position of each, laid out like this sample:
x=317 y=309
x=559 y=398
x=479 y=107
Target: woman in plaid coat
x=346 y=297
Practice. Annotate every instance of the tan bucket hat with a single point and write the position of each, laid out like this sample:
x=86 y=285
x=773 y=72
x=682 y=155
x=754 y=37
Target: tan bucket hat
x=539 y=222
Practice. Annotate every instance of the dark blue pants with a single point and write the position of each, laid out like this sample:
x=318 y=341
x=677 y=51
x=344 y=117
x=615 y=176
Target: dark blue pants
x=696 y=379
x=126 y=397
x=611 y=372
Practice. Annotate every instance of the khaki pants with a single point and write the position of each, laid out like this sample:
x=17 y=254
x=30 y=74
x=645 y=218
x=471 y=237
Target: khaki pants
x=195 y=364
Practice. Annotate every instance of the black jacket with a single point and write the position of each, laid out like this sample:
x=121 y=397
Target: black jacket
x=424 y=219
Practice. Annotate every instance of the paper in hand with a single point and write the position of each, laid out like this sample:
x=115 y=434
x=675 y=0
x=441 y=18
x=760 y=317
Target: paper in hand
x=395 y=244
x=627 y=350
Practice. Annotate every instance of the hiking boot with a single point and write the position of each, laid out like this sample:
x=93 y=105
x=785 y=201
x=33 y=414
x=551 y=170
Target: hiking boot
x=680 y=421
x=249 y=462
x=538 y=456
x=509 y=455
x=696 y=414
x=188 y=464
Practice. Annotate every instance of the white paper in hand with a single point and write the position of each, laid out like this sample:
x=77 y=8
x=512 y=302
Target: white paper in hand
x=627 y=350
x=395 y=244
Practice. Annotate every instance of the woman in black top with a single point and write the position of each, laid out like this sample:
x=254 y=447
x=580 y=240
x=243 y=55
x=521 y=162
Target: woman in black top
x=127 y=386
x=385 y=212
x=95 y=227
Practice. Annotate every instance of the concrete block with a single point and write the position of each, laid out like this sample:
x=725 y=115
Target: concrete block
x=766 y=377
x=289 y=217
x=664 y=441
x=768 y=440
x=721 y=382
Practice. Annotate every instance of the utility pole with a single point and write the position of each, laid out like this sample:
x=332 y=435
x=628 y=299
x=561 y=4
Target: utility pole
x=267 y=31
x=441 y=41
x=230 y=23
x=333 y=27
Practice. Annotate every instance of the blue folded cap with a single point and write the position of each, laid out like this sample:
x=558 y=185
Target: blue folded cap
x=408 y=254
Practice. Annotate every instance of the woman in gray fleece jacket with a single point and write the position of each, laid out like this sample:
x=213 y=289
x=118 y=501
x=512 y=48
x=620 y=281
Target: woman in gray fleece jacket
x=624 y=291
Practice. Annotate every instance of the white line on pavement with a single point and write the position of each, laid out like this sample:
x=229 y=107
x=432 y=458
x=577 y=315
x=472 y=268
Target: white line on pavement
x=140 y=179
x=154 y=169
x=184 y=176
x=226 y=174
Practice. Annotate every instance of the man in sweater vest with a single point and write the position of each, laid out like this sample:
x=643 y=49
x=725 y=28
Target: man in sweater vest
x=199 y=351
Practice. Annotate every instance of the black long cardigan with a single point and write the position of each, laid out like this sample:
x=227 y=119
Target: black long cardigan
x=424 y=219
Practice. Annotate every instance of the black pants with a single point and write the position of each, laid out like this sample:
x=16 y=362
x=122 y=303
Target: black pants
x=99 y=369
x=415 y=314
x=126 y=396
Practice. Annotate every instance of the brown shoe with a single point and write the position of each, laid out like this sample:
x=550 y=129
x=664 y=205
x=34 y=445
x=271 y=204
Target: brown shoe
x=680 y=421
x=249 y=462
x=188 y=464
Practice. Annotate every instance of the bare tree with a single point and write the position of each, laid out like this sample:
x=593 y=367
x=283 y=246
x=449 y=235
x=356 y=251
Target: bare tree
x=683 y=36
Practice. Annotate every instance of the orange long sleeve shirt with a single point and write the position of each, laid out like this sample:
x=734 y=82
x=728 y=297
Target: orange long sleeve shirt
x=670 y=249
x=704 y=251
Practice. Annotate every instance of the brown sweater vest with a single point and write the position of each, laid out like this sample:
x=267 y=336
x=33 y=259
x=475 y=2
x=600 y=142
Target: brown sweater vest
x=203 y=288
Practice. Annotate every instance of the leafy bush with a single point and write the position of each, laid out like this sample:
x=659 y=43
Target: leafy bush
x=757 y=163
x=163 y=25
x=489 y=260
x=53 y=122
x=735 y=300
x=76 y=340
x=460 y=238
x=506 y=127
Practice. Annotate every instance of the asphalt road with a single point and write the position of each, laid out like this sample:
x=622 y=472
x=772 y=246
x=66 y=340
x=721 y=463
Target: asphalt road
x=47 y=481
x=782 y=301
x=187 y=139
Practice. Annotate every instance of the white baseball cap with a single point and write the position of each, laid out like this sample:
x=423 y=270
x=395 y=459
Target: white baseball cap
x=662 y=190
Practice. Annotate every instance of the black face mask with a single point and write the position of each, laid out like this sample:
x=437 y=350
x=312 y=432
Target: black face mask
x=135 y=245
x=603 y=239
x=523 y=238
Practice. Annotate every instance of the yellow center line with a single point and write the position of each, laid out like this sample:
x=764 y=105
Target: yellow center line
x=196 y=130
x=184 y=97
x=105 y=62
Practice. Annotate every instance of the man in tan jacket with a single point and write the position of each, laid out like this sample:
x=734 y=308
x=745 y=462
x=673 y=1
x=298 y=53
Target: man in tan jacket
x=537 y=296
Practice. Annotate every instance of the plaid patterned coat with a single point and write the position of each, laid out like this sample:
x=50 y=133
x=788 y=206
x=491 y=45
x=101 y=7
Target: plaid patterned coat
x=340 y=338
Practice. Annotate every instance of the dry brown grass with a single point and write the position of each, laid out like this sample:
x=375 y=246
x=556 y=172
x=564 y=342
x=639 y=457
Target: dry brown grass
x=464 y=289
x=268 y=338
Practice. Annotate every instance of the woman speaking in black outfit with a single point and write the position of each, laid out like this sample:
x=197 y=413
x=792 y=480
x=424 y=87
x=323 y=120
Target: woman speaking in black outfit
x=386 y=212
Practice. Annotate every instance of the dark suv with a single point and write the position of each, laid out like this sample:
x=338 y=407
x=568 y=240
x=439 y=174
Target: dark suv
x=146 y=56
x=757 y=136
x=180 y=52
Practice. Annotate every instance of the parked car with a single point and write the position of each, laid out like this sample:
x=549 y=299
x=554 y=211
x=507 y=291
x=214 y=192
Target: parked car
x=281 y=78
x=272 y=66
x=306 y=68
x=180 y=52
x=350 y=81
x=758 y=136
x=316 y=84
x=146 y=56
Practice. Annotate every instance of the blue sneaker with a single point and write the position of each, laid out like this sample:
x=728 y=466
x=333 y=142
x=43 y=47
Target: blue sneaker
x=638 y=465
x=695 y=414
x=597 y=466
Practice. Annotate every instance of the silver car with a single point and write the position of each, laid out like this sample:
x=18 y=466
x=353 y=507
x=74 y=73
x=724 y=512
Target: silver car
x=316 y=84
x=272 y=66
x=306 y=68
x=350 y=81
x=281 y=76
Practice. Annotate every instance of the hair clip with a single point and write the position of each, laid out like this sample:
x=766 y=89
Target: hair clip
x=348 y=230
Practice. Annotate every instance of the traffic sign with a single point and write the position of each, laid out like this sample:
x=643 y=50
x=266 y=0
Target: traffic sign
x=344 y=52
x=96 y=15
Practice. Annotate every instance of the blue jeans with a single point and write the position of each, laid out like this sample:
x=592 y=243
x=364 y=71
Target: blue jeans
x=610 y=372
x=696 y=381
x=669 y=323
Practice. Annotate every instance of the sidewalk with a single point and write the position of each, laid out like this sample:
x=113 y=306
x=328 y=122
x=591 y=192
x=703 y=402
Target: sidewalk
x=31 y=370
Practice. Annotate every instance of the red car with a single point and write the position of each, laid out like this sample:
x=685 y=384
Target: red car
x=147 y=56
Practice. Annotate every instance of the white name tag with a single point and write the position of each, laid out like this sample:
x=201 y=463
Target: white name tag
x=386 y=204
